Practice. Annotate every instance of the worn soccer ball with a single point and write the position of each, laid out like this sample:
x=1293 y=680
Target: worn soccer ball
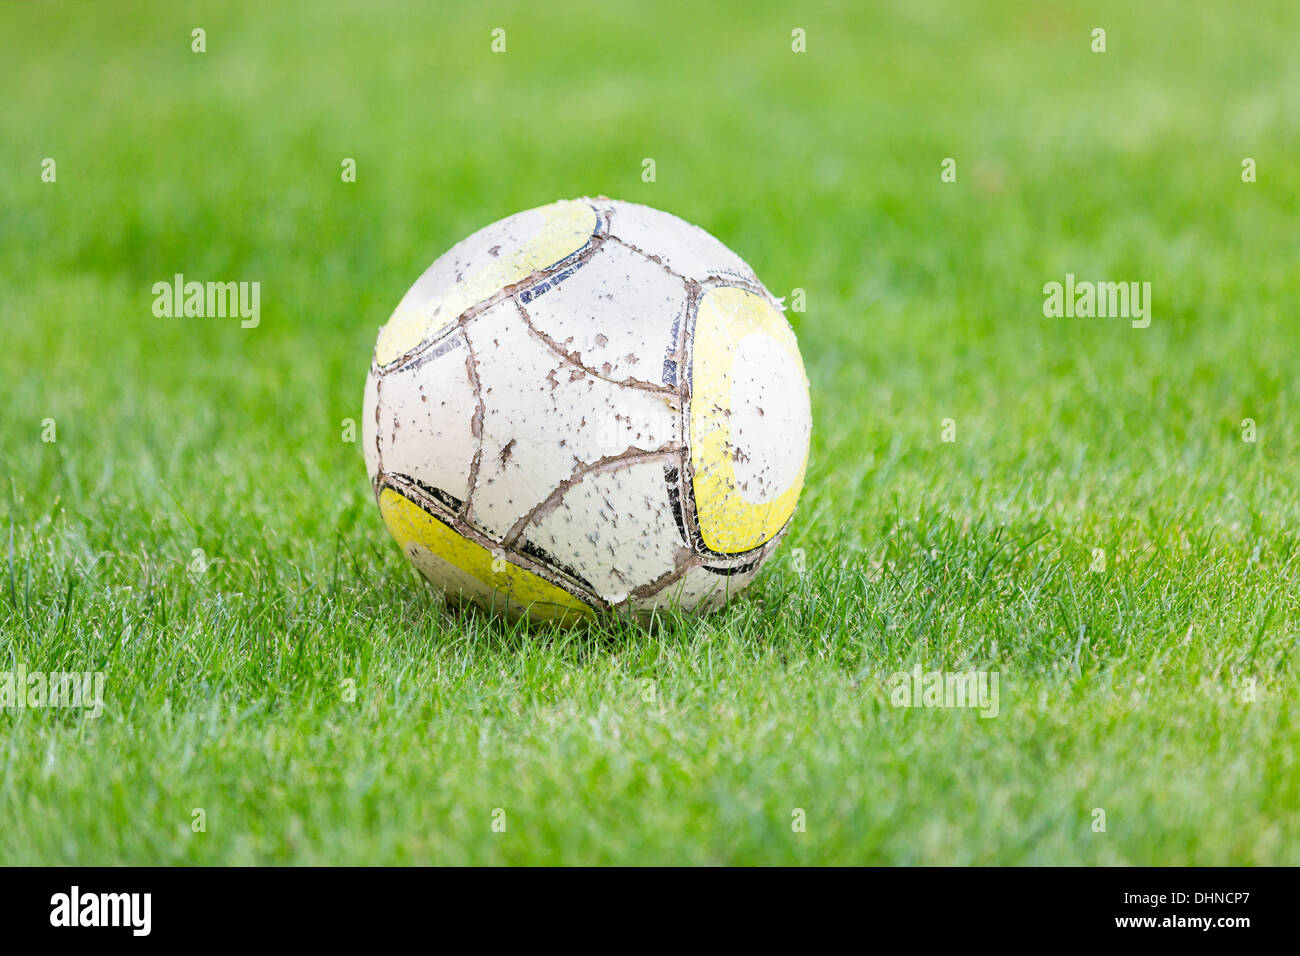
x=588 y=407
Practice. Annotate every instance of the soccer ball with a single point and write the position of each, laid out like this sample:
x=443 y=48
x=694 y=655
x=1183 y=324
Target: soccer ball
x=587 y=407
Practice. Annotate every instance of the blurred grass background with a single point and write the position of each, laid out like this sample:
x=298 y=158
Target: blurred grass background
x=1121 y=690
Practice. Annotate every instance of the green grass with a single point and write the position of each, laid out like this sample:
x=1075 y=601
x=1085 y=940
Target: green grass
x=1124 y=689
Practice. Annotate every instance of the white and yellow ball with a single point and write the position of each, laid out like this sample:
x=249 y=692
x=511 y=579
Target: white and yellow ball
x=590 y=406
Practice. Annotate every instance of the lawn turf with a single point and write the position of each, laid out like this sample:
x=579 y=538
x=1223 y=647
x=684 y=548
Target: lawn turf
x=295 y=681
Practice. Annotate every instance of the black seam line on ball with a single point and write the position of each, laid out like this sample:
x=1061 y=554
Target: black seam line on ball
x=673 y=478
x=448 y=499
x=540 y=554
x=543 y=286
x=678 y=485
x=584 y=252
x=416 y=496
x=728 y=572
x=437 y=345
x=379 y=444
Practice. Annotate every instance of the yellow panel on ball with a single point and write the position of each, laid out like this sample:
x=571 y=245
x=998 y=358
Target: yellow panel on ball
x=472 y=564
x=750 y=420
x=550 y=234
